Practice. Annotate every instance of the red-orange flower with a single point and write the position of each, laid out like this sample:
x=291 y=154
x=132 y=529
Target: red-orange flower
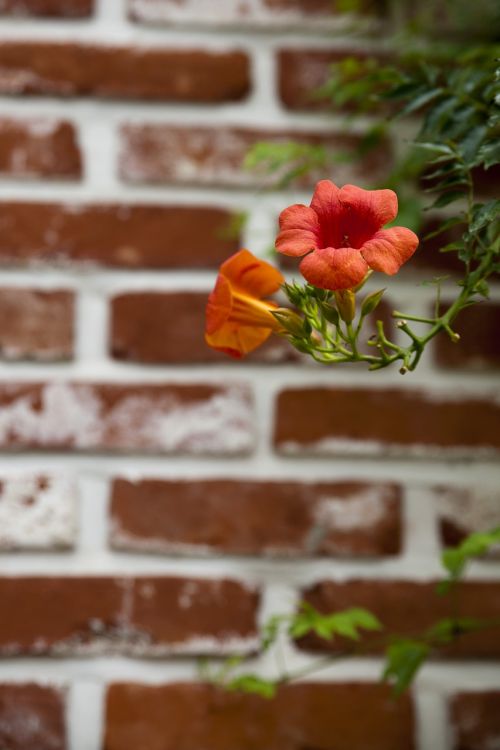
x=238 y=320
x=341 y=235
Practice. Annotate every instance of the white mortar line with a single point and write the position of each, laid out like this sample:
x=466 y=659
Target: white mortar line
x=431 y=719
x=85 y=714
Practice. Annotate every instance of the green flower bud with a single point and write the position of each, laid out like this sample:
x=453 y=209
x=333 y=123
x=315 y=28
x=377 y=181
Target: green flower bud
x=289 y=320
x=346 y=304
x=330 y=313
x=371 y=301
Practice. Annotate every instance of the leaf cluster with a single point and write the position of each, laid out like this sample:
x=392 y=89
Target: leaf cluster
x=404 y=656
x=286 y=161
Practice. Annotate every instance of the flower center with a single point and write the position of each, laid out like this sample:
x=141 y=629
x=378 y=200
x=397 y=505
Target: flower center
x=250 y=311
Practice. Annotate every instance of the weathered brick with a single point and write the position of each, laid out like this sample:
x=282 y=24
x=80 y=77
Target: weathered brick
x=40 y=324
x=386 y=421
x=256 y=518
x=464 y=510
x=303 y=72
x=37 y=512
x=475 y=720
x=39 y=148
x=168 y=328
x=48 y=8
x=140 y=616
x=66 y=69
x=408 y=608
x=118 y=235
x=159 y=153
x=54 y=615
x=260 y=14
x=304 y=716
x=198 y=616
x=32 y=717
x=190 y=419
x=479 y=345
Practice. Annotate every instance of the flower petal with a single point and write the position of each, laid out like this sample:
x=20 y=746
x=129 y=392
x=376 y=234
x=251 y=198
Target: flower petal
x=299 y=230
x=219 y=305
x=378 y=206
x=252 y=275
x=237 y=340
x=299 y=216
x=296 y=242
x=334 y=268
x=325 y=201
x=389 y=249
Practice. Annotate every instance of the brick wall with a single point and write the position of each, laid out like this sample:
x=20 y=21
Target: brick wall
x=158 y=501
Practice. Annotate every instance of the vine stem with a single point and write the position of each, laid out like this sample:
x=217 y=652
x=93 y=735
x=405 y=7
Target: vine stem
x=360 y=649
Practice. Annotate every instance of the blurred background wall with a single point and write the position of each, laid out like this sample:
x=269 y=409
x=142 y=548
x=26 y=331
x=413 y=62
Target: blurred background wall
x=158 y=500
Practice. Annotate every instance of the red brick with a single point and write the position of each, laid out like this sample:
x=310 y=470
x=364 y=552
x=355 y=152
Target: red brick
x=386 y=421
x=194 y=616
x=49 y=8
x=40 y=324
x=475 y=720
x=160 y=153
x=32 y=717
x=302 y=717
x=260 y=14
x=140 y=616
x=188 y=419
x=39 y=148
x=37 y=512
x=256 y=518
x=407 y=608
x=479 y=345
x=122 y=72
x=130 y=236
x=58 y=615
x=464 y=510
x=168 y=328
x=302 y=72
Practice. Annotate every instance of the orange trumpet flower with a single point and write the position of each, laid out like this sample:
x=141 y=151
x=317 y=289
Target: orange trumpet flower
x=238 y=319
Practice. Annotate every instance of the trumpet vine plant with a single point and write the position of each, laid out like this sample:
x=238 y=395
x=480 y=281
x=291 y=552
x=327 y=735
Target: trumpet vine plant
x=451 y=93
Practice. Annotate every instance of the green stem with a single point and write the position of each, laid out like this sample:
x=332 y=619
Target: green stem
x=415 y=318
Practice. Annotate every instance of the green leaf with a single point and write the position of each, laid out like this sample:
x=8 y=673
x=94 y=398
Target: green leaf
x=347 y=623
x=482 y=288
x=250 y=683
x=489 y=154
x=287 y=160
x=371 y=302
x=446 y=198
x=447 y=630
x=271 y=629
x=403 y=660
x=484 y=214
x=455 y=559
x=420 y=101
x=444 y=227
x=452 y=247
x=402 y=91
x=435 y=117
x=439 y=148
x=469 y=146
